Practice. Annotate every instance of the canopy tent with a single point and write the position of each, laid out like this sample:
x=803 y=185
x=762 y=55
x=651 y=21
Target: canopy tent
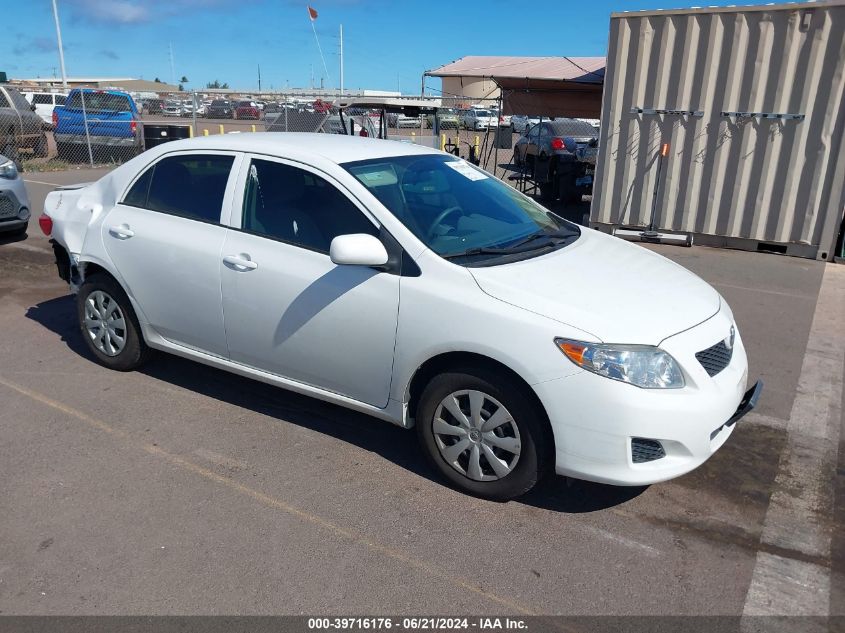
x=548 y=86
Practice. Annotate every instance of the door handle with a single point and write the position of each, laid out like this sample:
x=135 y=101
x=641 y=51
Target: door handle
x=122 y=232
x=238 y=262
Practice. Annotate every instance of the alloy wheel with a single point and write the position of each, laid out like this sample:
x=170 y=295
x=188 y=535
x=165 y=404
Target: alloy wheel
x=476 y=435
x=104 y=323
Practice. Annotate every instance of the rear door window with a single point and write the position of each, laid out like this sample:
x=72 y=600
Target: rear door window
x=189 y=186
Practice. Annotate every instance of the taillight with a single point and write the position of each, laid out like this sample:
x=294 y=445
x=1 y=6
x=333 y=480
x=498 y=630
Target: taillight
x=557 y=143
x=363 y=133
x=133 y=126
x=55 y=119
x=46 y=224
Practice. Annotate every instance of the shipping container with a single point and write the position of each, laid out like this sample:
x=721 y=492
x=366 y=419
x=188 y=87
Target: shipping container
x=750 y=101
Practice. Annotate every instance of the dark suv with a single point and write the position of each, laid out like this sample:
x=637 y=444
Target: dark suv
x=220 y=109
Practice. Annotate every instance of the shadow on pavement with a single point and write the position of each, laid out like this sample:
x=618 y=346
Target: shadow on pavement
x=11 y=238
x=391 y=442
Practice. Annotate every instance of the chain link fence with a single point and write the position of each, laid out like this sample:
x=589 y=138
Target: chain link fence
x=105 y=127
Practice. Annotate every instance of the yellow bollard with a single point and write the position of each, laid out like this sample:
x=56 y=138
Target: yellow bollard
x=191 y=131
x=476 y=144
x=442 y=142
x=205 y=132
x=221 y=129
x=253 y=127
x=413 y=137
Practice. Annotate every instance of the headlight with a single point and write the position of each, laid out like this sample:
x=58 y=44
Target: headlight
x=641 y=365
x=8 y=170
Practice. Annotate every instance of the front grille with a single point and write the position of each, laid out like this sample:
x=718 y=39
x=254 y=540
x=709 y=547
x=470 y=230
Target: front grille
x=7 y=207
x=715 y=359
x=643 y=450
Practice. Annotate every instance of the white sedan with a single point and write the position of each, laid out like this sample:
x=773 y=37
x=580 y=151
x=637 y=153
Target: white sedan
x=407 y=284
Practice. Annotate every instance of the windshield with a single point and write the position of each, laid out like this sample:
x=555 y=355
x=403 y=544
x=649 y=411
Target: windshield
x=459 y=211
x=482 y=113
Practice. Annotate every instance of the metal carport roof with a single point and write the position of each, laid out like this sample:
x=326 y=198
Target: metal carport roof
x=551 y=86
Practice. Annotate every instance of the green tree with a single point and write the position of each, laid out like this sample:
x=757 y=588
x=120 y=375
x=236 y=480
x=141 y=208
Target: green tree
x=157 y=80
x=217 y=84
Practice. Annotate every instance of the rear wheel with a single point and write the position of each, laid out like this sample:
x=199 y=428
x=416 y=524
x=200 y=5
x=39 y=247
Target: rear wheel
x=9 y=148
x=481 y=434
x=109 y=325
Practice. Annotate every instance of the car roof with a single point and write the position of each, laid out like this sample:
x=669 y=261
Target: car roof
x=336 y=148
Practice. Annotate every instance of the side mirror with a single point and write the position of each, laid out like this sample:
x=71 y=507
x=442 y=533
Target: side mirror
x=358 y=249
x=32 y=107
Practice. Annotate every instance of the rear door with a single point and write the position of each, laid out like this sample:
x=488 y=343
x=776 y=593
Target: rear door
x=165 y=239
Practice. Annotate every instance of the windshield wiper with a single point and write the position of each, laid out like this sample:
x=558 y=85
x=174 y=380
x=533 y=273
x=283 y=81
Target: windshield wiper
x=490 y=250
x=556 y=238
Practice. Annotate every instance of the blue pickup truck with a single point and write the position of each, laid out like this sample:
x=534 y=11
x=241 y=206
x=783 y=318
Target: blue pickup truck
x=107 y=119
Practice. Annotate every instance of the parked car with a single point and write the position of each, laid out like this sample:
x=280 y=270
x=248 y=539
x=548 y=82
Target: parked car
x=522 y=123
x=522 y=343
x=247 y=110
x=173 y=108
x=400 y=120
x=448 y=119
x=44 y=103
x=14 y=202
x=564 y=144
x=109 y=120
x=20 y=126
x=221 y=109
x=504 y=119
x=478 y=119
x=153 y=106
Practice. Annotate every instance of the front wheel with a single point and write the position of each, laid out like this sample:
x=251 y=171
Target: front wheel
x=109 y=325
x=483 y=435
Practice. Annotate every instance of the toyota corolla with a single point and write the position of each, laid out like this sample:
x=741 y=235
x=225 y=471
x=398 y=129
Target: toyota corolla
x=405 y=283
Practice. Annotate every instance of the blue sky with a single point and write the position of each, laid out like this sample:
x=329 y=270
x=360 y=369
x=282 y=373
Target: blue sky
x=387 y=44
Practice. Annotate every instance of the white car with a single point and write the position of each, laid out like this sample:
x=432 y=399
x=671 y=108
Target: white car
x=522 y=123
x=44 y=103
x=405 y=283
x=477 y=119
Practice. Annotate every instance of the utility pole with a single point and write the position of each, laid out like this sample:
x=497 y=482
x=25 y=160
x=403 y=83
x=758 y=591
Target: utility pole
x=341 y=60
x=61 y=48
x=259 y=77
x=172 y=69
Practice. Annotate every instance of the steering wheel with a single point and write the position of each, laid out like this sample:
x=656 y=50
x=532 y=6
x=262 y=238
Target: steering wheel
x=440 y=217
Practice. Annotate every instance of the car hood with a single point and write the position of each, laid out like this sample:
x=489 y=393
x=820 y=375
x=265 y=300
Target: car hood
x=617 y=291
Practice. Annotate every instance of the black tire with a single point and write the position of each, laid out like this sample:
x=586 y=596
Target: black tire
x=9 y=148
x=40 y=148
x=135 y=351
x=547 y=191
x=63 y=151
x=536 y=444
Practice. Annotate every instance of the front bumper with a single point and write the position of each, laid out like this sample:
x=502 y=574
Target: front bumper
x=14 y=207
x=596 y=420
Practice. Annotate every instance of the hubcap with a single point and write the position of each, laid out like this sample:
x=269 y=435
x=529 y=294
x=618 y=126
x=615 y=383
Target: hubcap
x=104 y=323
x=476 y=435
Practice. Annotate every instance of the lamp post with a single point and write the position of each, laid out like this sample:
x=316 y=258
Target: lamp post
x=61 y=48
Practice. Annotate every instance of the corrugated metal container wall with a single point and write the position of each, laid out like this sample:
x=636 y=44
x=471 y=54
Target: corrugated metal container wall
x=740 y=178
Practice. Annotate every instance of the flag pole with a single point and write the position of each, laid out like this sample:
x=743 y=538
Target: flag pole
x=312 y=16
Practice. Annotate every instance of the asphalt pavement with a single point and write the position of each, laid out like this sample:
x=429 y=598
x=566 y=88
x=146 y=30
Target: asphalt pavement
x=181 y=489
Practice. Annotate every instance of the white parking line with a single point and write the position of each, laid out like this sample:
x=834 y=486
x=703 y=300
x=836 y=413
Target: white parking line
x=41 y=182
x=28 y=247
x=800 y=513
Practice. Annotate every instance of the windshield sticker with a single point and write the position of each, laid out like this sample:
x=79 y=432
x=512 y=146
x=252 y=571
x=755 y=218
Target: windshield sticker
x=376 y=175
x=467 y=170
